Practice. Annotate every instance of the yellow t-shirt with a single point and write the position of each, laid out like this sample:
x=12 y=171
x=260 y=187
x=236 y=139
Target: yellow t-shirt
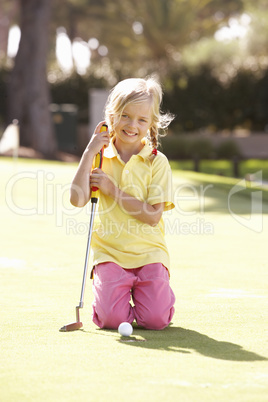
x=118 y=236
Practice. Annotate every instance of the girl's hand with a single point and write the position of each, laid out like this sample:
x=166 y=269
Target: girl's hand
x=98 y=139
x=100 y=179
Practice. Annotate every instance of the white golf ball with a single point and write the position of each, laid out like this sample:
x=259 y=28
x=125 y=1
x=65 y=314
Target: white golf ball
x=125 y=329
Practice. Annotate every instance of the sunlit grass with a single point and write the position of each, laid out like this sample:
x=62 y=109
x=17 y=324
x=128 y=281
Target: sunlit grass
x=225 y=167
x=217 y=277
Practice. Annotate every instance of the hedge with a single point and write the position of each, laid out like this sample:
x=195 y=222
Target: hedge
x=198 y=99
x=178 y=148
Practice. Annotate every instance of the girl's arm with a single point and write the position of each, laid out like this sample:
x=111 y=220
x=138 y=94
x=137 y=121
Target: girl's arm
x=146 y=213
x=80 y=188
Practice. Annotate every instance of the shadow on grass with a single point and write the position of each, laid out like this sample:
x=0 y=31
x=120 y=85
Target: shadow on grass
x=180 y=340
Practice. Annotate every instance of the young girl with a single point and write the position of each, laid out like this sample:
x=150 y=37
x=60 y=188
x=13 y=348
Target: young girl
x=130 y=256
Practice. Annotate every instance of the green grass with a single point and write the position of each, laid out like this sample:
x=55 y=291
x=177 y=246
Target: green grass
x=225 y=167
x=224 y=183
x=216 y=347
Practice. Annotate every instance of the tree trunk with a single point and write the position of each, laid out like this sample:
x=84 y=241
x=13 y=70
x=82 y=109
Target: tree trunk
x=28 y=91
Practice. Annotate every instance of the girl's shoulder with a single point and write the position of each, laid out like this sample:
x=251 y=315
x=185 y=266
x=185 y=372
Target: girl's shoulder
x=160 y=163
x=160 y=159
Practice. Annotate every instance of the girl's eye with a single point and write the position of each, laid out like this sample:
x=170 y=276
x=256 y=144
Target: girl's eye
x=124 y=115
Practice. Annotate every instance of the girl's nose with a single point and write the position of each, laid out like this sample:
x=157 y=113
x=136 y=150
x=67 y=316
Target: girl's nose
x=131 y=123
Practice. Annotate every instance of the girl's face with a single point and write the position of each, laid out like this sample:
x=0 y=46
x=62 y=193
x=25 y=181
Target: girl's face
x=134 y=124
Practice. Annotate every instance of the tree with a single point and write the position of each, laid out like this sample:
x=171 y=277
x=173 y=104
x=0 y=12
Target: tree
x=164 y=27
x=168 y=25
x=28 y=92
x=142 y=36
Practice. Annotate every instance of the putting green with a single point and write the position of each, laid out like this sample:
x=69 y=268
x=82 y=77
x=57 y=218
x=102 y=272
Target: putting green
x=216 y=347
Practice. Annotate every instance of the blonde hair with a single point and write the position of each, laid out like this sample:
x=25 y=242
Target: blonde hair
x=137 y=90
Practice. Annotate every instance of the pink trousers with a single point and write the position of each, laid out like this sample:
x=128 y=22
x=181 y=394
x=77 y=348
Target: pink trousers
x=149 y=287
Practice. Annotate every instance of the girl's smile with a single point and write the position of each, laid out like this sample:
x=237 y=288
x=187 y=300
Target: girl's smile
x=129 y=134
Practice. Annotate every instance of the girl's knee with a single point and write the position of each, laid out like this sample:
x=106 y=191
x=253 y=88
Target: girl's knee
x=155 y=320
x=111 y=318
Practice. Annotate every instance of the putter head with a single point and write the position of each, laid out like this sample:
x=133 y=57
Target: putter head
x=71 y=327
x=74 y=326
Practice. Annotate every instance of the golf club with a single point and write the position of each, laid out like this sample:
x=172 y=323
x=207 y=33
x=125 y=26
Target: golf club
x=94 y=199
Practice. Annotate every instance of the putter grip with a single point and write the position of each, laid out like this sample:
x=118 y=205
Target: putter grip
x=98 y=161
